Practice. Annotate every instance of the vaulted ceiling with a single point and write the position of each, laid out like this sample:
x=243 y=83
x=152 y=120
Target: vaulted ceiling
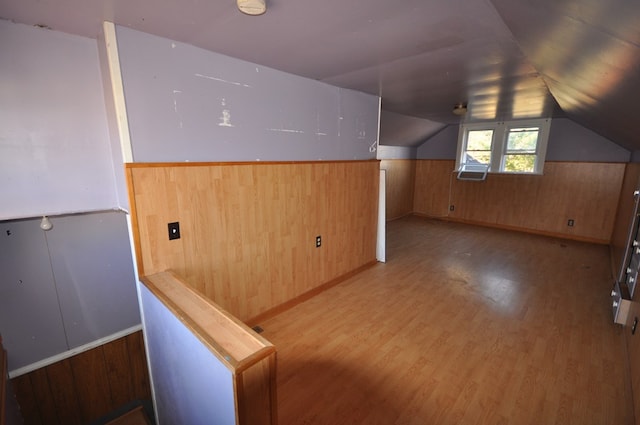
x=506 y=59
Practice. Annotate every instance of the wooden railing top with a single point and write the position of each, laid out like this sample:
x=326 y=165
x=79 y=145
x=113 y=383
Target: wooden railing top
x=233 y=342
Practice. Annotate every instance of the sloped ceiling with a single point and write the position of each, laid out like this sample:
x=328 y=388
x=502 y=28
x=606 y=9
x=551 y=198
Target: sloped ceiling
x=588 y=54
x=505 y=58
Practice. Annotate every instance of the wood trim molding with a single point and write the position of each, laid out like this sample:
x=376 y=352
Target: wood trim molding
x=229 y=339
x=516 y=229
x=230 y=163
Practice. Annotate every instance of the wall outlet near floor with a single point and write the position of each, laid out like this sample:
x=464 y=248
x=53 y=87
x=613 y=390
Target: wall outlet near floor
x=452 y=207
x=570 y=222
x=318 y=241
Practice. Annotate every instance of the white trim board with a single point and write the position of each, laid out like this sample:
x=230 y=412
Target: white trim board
x=70 y=353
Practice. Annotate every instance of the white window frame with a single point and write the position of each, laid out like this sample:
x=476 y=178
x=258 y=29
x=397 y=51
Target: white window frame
x=499 y=144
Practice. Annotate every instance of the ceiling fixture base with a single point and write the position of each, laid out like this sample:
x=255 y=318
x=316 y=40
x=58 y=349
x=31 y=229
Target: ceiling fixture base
x=460 y=109
x=252 y=7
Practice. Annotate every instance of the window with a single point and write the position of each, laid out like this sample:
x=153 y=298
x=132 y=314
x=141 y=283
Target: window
x=478 y=151
x=520 y=152
x=506 y=147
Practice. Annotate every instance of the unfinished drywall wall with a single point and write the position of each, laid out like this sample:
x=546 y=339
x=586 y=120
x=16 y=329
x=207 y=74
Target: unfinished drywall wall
x=54 y=149
x=188 y=104
x=64 y=288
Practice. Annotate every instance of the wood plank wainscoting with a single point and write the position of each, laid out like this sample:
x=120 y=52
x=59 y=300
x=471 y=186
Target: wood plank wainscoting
x=433 y=187
x=586 y=193
x=87 y=386
x=401 y=176
x=248 y=230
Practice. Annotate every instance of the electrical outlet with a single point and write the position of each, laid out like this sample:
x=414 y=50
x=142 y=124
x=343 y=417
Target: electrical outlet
x=570 y=222
x=174 y=230
x=318 y=241
x=452 y=207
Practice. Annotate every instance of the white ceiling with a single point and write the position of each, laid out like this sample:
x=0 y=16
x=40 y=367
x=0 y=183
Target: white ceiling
x=505 y=58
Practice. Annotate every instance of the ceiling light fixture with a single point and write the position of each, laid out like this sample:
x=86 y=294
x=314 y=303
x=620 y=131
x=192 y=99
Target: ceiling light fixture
x=460 y=109
x=252 y=7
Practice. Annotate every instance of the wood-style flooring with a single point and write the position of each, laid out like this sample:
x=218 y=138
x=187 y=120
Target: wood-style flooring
x=462 y=325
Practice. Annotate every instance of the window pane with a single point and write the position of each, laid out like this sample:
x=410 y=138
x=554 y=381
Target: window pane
x=477 y=157
x=479 y=140
x=519 y=163
x=522 y=139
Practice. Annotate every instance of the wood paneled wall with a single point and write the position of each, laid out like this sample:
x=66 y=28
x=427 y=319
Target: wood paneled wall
x=85 y=387
x=624 y=215
x=400 y=178
x=432 y=187
x=585 y=192
x=248 y=231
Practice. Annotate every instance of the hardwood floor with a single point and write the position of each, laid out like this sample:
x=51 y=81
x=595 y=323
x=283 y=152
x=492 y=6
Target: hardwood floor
x=462 y=325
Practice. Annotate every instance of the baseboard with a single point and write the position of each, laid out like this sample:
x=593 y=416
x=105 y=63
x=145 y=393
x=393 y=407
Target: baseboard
x=518 y=229
x=305 y=296
x=399 y=217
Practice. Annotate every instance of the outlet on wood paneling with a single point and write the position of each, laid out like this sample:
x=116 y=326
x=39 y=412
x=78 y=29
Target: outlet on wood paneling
x=249 y=225
x=586 y=192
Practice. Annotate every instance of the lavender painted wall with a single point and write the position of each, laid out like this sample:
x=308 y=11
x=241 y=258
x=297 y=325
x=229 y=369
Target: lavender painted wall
x=190 y=385
x=443 y=145
x=188 y=104
x=74 y=284
x=66 y=287
x=569 y=141
x=30 y=318
x=93 y=267
x=404 y=130
x=396 y=152
x=54 y=148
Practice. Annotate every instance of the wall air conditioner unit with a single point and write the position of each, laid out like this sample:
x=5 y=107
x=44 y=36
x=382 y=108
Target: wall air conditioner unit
x=473 y=172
